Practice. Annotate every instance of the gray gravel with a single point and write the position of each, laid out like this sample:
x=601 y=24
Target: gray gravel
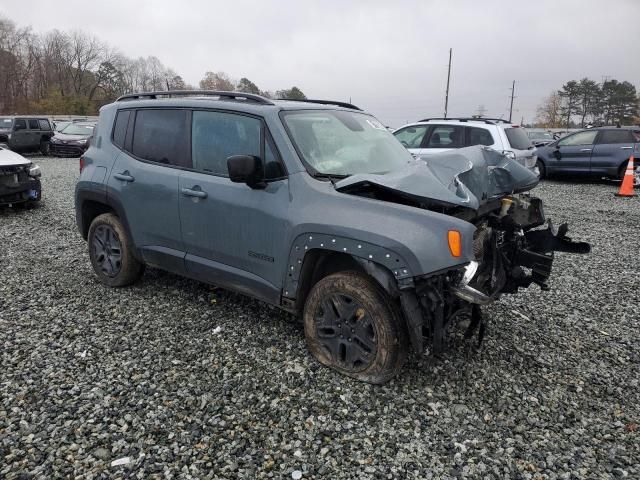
x=174 y=379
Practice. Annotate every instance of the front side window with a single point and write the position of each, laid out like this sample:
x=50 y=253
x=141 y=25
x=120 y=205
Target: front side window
x=616 y=136
x=445 y=136
x=217 y=136
x=580 y=138
x=411 y=137
x=21 y=124
x=341 y=143
x=162 y=136
x=34 y=125
x=478 y=136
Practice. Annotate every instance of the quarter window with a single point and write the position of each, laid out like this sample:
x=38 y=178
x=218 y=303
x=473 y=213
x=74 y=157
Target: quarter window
x=44 y=124
x=478 y=136
x=120 y=127
x=580 y=138
x=217 y=136
x=411 y=137
x=162 y=136
x=445 y=136
x=616 y=136
x=34 y=125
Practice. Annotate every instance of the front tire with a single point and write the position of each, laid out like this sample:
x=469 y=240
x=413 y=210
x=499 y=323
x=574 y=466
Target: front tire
x=541 y=169
x=111 y=252
x=45 y=147
x=352 y=326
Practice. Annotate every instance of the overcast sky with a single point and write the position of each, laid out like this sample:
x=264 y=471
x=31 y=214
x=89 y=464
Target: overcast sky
x=389 y=56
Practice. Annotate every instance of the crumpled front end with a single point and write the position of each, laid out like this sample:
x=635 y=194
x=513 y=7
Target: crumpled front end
x=19 y=183
x=514 y=247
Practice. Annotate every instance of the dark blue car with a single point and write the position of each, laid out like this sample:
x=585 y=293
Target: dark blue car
x=601 y=152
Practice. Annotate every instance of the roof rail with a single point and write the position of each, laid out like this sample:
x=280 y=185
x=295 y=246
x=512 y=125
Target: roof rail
x=324 y=102
x=490 y=121
x=191 y=93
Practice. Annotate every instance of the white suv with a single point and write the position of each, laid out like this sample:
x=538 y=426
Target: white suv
x=434 y=135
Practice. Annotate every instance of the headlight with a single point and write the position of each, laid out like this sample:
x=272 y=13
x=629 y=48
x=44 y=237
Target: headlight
x=34 y=171
x=54 y=140
x=509 y=154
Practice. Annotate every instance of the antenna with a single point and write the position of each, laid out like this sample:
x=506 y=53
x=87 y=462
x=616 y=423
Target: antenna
x=446 y=95
x=513 y=90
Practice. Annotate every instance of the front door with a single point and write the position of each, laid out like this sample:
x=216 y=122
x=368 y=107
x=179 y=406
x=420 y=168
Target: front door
x=144 y=182
x=232 y=233
x=20 y=135
x=573 y=153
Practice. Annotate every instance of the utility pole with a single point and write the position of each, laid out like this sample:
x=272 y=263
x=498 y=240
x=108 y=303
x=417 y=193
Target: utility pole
x=446 y=95
x=513 y=89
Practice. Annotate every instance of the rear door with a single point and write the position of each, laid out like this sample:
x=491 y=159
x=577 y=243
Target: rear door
x=572 y=154
x=20 y=135
x=442 y=138
x=411 y=137
x=612 y=149
x=144 y=181
x=34 y=132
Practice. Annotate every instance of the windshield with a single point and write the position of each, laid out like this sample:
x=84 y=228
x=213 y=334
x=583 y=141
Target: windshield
x=335 y=142
x=6 y=123
x=540 y=136
x=74 y=129
x=518 y=138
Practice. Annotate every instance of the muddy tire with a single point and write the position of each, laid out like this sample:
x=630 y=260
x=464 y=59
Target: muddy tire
x=352 y=326
x=111 y=252
x=44 y=148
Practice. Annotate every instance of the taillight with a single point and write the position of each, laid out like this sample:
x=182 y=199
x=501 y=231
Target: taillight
x=81 y=164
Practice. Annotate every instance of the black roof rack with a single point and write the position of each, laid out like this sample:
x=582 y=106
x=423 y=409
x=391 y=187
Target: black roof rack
x=324 y=102
x=191 y=93
x=490 y=121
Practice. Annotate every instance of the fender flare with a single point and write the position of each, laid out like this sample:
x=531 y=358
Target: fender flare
x=371 y=257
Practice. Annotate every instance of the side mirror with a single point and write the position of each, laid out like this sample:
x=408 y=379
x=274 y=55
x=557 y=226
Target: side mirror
x=246 y=169
x=556 y=152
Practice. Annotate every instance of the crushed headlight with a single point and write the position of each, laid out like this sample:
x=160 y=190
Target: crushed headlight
x=34 y=171
x=509 y=154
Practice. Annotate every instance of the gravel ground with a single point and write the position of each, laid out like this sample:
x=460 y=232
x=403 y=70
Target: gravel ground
x=184 y=381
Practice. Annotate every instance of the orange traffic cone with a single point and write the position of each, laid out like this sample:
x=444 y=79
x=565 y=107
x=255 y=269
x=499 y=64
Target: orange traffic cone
x=626 y=189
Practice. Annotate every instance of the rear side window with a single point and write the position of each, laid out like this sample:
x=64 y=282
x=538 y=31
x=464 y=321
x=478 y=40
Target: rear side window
x=518 y=138
x=478 y=136
x=411 y=137
x=120 y=127
x=162 y=136
x=216 y=136
x=34 y=125
x=616 y=136
x=445 y=136
x=44 y=124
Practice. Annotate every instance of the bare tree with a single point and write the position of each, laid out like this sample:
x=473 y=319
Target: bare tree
x=549 y=112
x=217 y=81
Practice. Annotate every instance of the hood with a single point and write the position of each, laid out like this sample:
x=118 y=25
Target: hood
x=67 y=137
x=466 y=177
x=11 y=159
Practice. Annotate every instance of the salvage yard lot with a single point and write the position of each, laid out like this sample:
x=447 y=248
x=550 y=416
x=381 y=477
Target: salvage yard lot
x=192 y=382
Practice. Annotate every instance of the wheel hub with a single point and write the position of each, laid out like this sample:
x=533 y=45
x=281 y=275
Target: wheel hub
x=345 y=330
x=107 y=250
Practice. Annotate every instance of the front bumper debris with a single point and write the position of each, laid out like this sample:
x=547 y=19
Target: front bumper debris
x=17 y=186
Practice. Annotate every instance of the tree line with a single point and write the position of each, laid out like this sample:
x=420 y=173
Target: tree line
x=76 y=73
x=580 y=103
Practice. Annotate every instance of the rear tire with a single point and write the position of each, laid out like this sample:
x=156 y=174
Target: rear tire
x=111 y=252
x=352 y=326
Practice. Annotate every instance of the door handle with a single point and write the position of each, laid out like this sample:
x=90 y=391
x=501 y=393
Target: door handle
x=585 y=149
x=188 y=192
x=124 y=176
x=626 y=148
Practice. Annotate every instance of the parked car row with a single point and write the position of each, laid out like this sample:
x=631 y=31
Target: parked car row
x=29 y=134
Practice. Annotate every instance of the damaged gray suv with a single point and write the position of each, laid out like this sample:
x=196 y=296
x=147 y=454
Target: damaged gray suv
x=314 y=207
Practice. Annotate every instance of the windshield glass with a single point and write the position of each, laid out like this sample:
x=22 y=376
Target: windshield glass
x=74 y=129
x=335 y=142
x=518 y=138
x=6 y=122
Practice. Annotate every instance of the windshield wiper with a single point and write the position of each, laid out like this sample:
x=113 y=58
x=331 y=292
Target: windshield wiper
x=329 y=176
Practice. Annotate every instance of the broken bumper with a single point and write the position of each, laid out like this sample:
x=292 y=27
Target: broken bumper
x=17 y=186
